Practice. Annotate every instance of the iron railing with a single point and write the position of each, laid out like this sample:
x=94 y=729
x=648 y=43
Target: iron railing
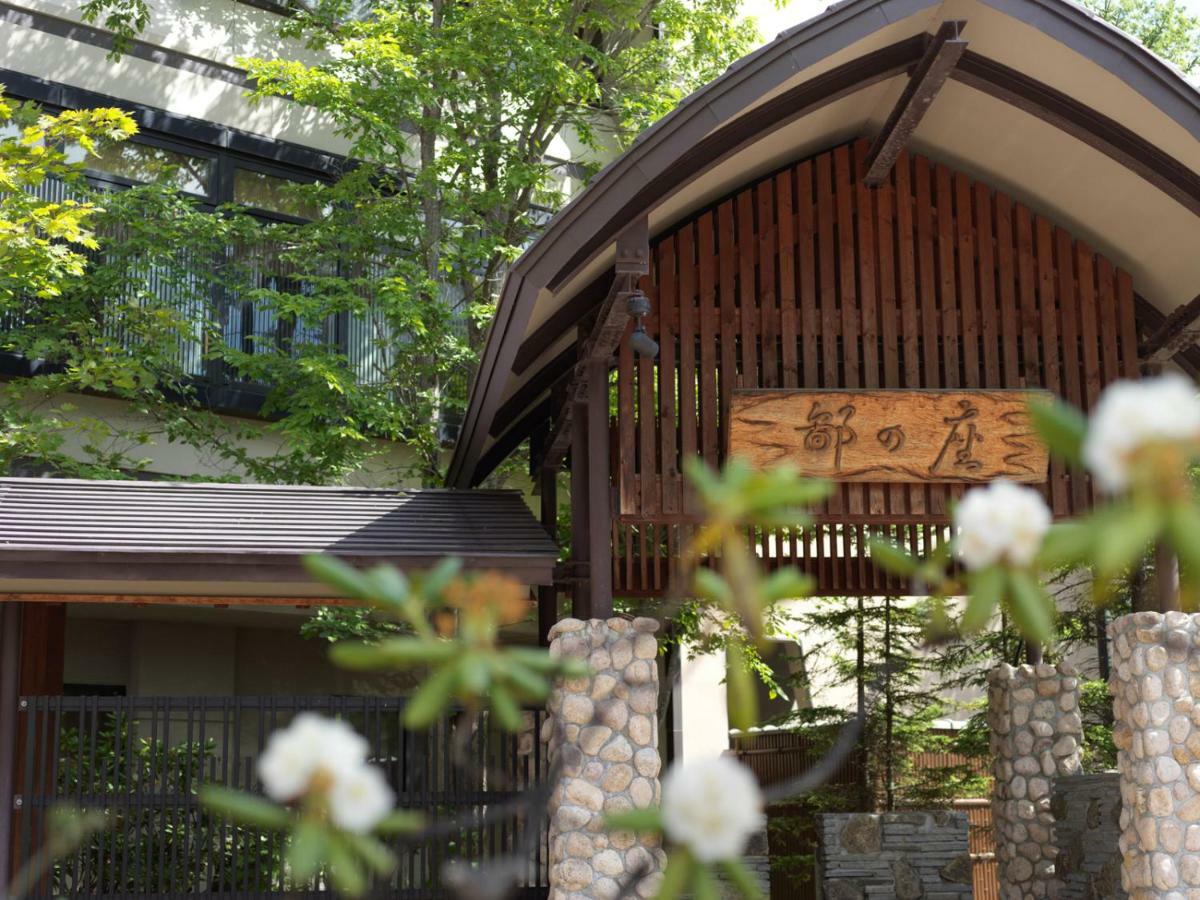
x=142 y=760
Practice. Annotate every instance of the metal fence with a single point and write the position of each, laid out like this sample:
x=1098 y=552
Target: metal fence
x=142 y=760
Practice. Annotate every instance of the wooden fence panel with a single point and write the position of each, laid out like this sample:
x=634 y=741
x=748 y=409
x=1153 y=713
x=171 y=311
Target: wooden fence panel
x=807 y=278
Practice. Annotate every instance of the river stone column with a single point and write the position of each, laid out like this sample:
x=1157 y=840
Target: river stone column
x=603 y=730
x=1033 y=717
x=1155 y=684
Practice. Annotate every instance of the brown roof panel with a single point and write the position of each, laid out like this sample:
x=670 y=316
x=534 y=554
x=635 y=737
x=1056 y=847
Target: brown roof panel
x=148 y=530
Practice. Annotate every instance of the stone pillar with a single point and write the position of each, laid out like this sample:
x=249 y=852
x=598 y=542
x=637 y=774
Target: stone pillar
x=1155 y=684
x=603 y=731
x=1033 y=717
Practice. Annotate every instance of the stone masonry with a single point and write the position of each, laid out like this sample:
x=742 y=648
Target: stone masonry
x=1155 y=686
x=1087 y=828
x=603 y=730
x=1033 y=717
x=900 y=855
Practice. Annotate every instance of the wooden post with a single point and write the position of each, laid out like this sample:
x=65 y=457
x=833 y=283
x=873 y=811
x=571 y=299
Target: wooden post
x=548 y=594
x=580 y=542
x=1166 y=578
x=10 y=676
x=599 y=509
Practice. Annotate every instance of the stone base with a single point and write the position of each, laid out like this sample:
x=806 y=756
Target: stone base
x=603 y=731
x=1155 y=686
x=903 y=855
x=1033 y=717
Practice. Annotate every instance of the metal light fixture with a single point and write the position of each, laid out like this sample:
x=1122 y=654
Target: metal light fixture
x=642 y=343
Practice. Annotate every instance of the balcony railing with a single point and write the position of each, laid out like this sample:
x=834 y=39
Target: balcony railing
x=142 y=760
x=365 y=338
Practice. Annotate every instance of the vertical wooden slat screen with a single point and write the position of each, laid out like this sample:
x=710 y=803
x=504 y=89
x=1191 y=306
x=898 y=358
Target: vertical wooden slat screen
x=807 y=278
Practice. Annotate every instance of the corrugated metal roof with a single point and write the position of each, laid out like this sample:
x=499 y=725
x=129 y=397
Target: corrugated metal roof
x=261 y=525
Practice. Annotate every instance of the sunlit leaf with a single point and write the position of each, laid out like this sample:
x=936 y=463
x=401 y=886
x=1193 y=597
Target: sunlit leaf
x=1062 y=427
x=987 y=589
x=248 y=809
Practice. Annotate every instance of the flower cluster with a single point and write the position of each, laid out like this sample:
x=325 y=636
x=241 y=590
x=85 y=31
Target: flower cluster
x=1134 y=415
x=1003 y=522
x=324 y=760
x=713 y=807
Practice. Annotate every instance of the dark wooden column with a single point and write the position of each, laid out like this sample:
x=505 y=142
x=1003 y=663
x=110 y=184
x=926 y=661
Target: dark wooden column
x=599 y=509
x=580 y=521
x=10 y=675
x=548 y=593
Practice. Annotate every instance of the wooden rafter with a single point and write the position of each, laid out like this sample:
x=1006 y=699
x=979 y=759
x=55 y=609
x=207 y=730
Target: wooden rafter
x=1180 y=330
x=941 y=56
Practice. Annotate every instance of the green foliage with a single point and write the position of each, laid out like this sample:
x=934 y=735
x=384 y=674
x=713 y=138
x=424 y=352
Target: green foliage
x=1164 y=26
x=348 y=623
x=455 y=622
x=42 y=244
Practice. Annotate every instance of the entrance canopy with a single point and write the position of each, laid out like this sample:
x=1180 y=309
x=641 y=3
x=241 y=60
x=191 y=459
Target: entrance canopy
x=1043 y=102
x=130 y=541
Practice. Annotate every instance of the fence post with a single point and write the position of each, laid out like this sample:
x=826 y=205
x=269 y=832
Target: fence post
x=603 y=733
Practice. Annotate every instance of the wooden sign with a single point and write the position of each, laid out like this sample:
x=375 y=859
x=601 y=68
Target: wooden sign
x=890 y=435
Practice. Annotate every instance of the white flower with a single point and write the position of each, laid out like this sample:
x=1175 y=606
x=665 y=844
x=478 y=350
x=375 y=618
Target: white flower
x=312 y=744
x=1132 y=414
x=712 y=807
x=359 y=799
x=1003 y=522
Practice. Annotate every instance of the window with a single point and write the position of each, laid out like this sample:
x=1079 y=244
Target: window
x=143 y=163
x=271 y=193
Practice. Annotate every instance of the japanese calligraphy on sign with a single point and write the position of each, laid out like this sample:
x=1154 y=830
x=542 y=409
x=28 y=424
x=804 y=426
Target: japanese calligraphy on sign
x=890 y=435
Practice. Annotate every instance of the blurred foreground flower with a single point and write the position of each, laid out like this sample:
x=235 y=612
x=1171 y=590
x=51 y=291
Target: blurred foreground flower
x=319 y=758
x=318 y=767
x=1138 y=423
x=1000 y=523
x=710 y=810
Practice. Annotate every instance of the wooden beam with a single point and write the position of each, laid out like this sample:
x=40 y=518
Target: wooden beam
x=633 y=261
x=548 y=593
x=941 y=56
x=177 y=600
x=581 y=543
x=1178 y=331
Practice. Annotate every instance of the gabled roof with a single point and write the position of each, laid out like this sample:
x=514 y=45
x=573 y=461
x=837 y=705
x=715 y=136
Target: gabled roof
x=1051 y=104
x=143 y=532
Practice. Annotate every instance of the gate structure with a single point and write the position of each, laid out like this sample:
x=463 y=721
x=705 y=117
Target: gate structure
x=142 y=760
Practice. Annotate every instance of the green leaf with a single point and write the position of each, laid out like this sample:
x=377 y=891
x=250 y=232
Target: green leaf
x=387 y=583
x=785 y=584
x=248 y=809
x=1125 y=535
x=434 y=581
x=677 y=876
x=401 y=821
x=987 y=589
x=743 y=695
x=475 y=674
x=703 y=885
x=307 y=849
x=527 y=684
x=709 y=585
x=344 y=578
x=892 y=557
x=741 y=879
x=345 y=872
x=372 y=851
x=1031 y=609
x=640 y=820
x=506 y=710
x=432 y=698
x=1067 y=544
x=1184 y=526
x=1062 y=427
x=393 y=653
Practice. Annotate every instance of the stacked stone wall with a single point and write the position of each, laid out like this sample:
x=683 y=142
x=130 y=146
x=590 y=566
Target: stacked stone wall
x=1033 y=717
x=902 y=855
x=602 y=731
x=1087 y=829
x=1155 y=685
